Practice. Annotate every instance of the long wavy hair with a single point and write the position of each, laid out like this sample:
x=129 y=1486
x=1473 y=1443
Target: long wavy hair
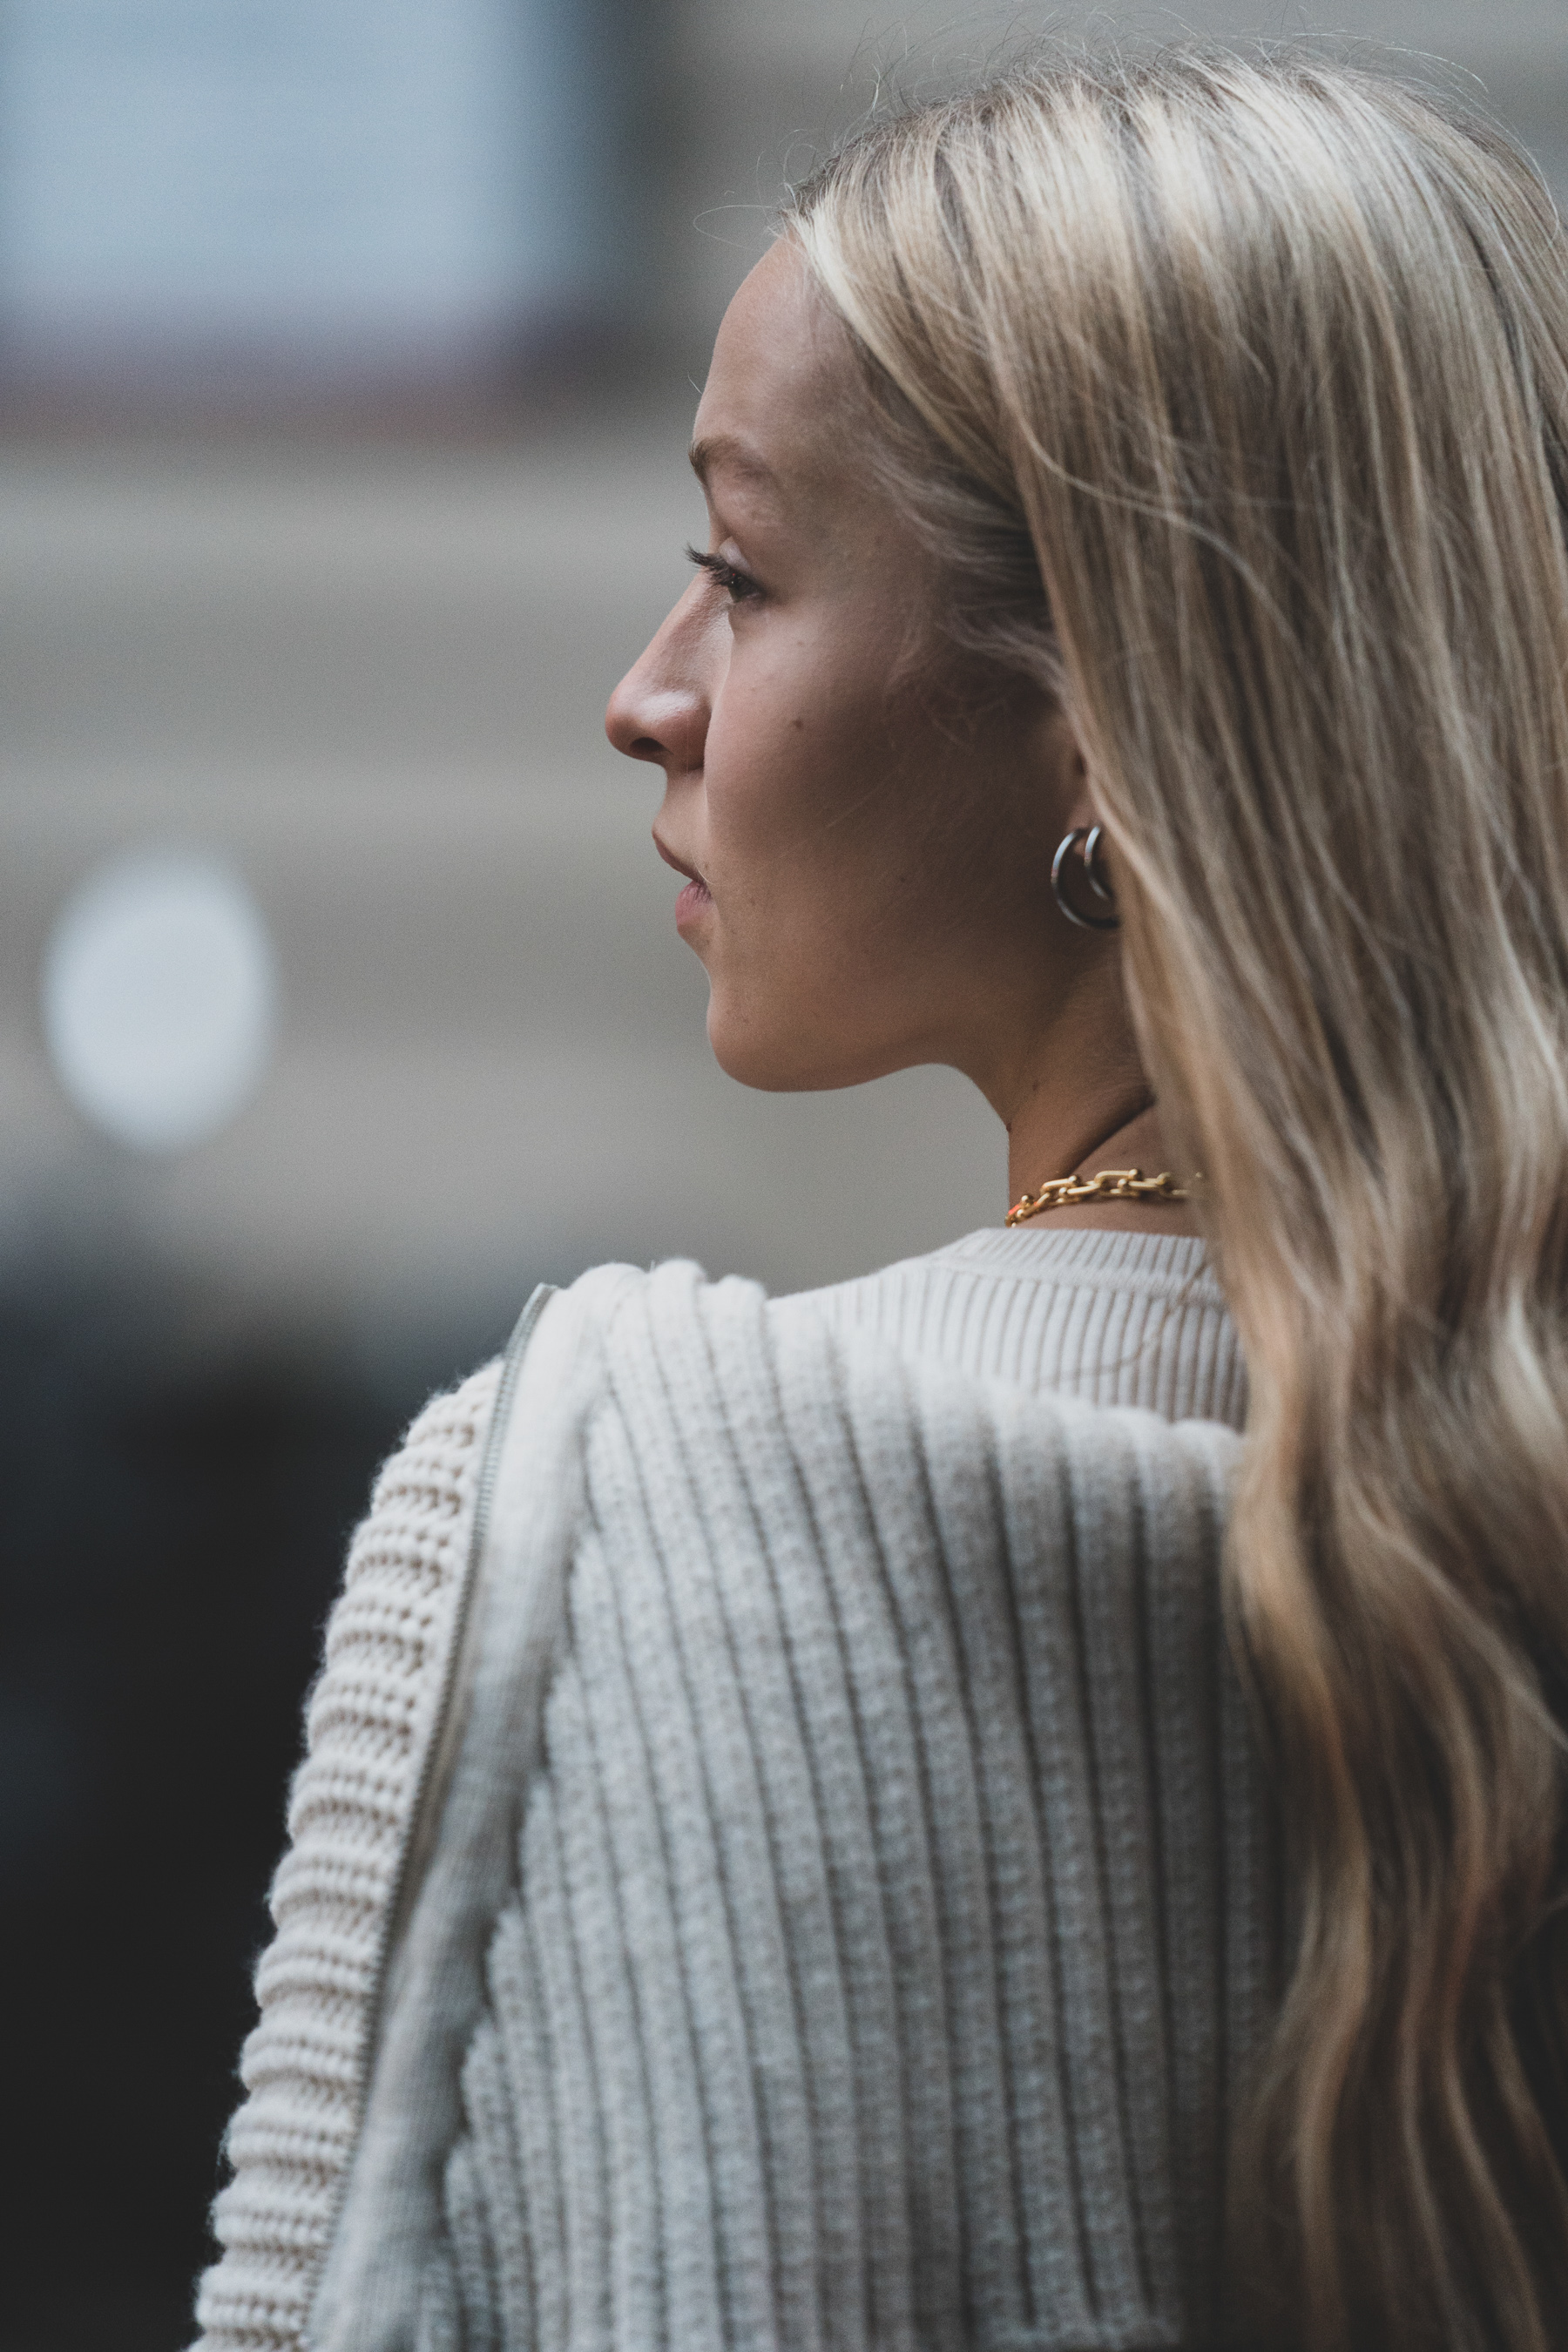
x=1233 y=395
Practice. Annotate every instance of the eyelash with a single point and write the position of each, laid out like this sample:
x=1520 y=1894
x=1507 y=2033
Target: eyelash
x=739 y=586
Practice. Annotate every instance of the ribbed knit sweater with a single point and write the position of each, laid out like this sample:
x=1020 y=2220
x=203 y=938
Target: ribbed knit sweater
x=806 y=1883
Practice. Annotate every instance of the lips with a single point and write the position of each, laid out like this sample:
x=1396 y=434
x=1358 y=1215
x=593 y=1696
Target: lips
x=696 y=897
x=693 y=900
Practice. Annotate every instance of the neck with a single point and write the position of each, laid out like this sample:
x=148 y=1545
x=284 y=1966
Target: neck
x=1049 y=1139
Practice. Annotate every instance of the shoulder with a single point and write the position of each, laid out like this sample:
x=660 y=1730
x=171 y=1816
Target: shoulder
x=727 y=1344
x=683 y=1383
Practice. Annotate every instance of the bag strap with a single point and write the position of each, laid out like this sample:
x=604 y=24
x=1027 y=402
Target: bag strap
x=441 y=1748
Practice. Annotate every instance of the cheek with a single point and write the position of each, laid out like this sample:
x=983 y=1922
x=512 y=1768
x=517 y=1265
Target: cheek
x=839 y=839
x=798 y=749
x=794 y=851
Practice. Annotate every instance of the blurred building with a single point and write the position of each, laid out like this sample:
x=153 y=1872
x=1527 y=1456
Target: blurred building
x=250 y=199
x=347 y=359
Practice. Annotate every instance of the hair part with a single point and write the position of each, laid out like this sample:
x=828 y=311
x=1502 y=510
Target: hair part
x=1233 y=395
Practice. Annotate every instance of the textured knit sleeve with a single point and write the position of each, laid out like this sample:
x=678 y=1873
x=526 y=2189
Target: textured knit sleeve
x=367 y=1723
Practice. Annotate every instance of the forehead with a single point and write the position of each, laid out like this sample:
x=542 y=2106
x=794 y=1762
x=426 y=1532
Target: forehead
x=780 y=390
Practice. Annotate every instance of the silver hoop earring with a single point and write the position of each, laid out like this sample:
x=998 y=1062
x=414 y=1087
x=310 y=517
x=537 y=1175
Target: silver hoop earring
x=1092 y=839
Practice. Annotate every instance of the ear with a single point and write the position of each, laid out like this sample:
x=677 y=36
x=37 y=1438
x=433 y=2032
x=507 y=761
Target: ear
x=1081 y=809
x=1068 y=773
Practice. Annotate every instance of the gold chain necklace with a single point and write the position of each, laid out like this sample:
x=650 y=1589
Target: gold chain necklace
x=1109 y=1184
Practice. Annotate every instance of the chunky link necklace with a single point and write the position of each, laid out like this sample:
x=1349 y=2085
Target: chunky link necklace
x=1109 y=1184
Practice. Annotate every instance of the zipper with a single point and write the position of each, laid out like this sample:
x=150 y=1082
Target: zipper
x=400 y=1900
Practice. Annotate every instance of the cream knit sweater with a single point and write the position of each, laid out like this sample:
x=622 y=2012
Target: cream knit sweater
x=808 y=1885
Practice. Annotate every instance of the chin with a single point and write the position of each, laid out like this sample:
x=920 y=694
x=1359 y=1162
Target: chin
x=765 y=1064
x=775 y=1059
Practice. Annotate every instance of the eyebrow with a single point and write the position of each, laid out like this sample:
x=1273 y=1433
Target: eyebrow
x=725 y=447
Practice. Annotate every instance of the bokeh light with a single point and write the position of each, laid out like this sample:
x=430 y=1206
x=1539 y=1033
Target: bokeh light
x=159 y=999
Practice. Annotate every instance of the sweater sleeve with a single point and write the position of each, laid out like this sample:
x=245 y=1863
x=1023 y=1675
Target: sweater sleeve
x=367 y=1722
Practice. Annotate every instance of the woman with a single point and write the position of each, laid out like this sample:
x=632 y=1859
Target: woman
x=809 y=1879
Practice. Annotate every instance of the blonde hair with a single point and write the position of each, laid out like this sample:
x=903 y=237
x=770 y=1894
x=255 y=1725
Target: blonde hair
x=1234 y=393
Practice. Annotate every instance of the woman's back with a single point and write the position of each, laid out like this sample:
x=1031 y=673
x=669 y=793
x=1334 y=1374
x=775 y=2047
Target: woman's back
x=852 y=1910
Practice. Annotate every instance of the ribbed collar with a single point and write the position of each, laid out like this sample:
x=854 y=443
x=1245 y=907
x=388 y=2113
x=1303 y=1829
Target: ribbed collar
x=1111 y=1317
x=1156 y=1264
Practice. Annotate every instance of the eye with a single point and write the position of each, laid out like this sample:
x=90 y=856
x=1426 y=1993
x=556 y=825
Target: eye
x=738 y=585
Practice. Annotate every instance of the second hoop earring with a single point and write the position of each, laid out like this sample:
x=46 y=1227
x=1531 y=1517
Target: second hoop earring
x=1093 y=838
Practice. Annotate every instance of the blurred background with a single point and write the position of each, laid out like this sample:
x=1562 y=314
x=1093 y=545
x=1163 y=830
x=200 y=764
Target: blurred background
x=348 y=350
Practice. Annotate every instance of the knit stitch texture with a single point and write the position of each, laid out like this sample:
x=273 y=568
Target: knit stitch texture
x=892 y=1916
x=366 y=1721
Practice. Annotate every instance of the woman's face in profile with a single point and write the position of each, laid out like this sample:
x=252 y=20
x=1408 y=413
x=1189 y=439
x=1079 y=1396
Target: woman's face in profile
x=868 y=850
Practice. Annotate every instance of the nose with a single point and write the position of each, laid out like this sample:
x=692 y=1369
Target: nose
x=659 y=711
